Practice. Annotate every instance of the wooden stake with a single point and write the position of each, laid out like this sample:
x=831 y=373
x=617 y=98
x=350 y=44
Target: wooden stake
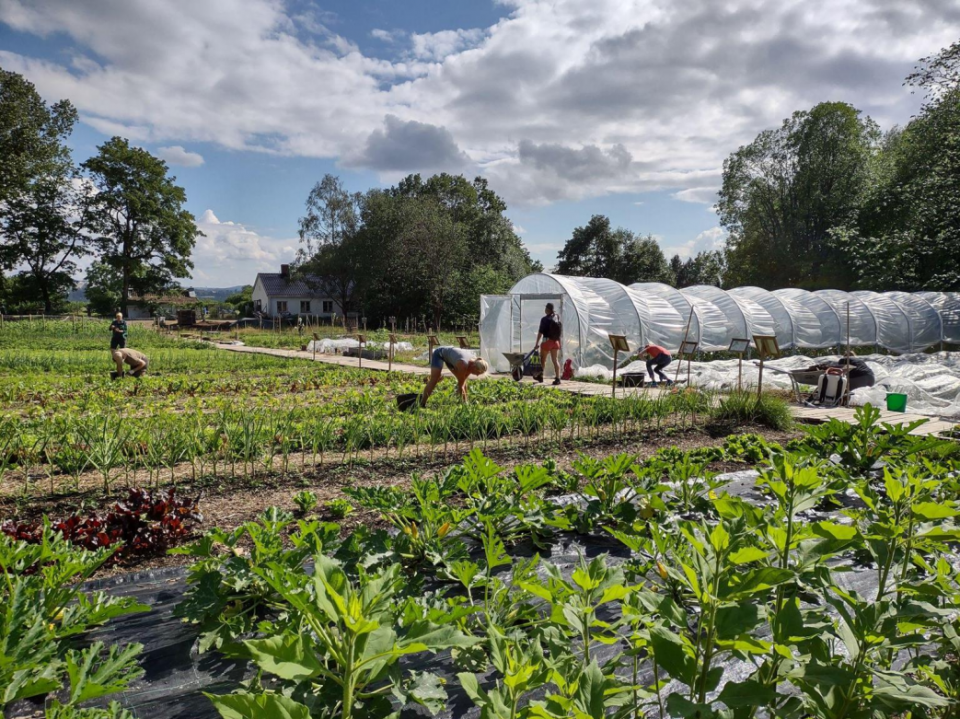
x=613 y=389
x=685 y=333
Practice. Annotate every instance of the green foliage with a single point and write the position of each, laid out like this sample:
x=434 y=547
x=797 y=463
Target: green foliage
x=227 y=597
x=596 y=250
x=746 y=408
x=423 y=249
x=346 y=663
x=710 y=579
x=305 y=500
x=706 y=268
x=785 y=191
x=39 y=194
x=44 y=616
x=136 y=214
x=338 y=508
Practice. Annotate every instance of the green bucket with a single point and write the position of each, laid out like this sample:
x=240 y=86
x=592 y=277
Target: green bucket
x=896 y=402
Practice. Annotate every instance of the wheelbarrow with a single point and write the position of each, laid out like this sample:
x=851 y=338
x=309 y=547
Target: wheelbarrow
x=521 y=366
x=797 y=377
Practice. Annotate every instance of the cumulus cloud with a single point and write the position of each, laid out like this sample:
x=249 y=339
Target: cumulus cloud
x=706 y=241
x=409 y=147
x=388 y=36
x=230 y=253
x=560 y=99
x=435 y=46
x=176 y=155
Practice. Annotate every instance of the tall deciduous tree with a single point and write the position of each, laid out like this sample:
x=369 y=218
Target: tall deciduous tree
x=598 y=250
x=40 y=192
x=908 y=235
x=424 y=248
x=706 y=268
x=785 y=192
x=137 y=215
x=329 y=257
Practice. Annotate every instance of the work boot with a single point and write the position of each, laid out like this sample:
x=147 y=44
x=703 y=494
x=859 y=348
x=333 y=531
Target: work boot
x=669 y=382
x=652 y=384
x=556 y=381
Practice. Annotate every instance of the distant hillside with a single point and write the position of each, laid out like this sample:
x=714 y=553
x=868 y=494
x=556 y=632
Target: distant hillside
x=215 y=294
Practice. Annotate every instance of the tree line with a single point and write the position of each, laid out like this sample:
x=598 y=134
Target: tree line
x=425 y=248
x=599 y=250
x=828 y=200
x=120 y=208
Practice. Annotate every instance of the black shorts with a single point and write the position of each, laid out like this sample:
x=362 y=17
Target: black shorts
x=118 y=342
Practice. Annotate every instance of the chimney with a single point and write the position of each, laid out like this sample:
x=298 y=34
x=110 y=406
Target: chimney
x=284 y=270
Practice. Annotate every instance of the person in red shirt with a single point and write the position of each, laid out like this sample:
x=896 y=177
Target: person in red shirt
x=657 y=359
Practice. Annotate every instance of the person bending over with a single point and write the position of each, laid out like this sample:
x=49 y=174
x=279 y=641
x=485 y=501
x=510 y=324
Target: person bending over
x=551 y=331
x=118 y=330
x=657 y=359
x=461 y=365
x=137 y=360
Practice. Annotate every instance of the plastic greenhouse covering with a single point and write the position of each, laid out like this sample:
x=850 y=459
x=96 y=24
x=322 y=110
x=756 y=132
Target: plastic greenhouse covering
x=591 y=309
x=948 y=305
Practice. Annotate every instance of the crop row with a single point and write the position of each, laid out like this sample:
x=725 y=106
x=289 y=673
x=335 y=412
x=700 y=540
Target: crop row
x=241 y=440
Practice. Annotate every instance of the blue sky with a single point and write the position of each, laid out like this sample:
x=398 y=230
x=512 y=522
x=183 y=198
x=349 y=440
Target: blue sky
x=569 y=107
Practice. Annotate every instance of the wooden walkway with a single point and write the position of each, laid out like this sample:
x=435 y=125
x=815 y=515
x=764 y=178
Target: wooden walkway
x=809 y=415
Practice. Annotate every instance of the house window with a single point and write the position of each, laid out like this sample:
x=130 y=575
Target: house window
x=305 y=306
x=281 y=306
x=258 y=306
x=328 y=307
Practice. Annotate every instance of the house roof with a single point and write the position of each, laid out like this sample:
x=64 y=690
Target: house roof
x=276 y=285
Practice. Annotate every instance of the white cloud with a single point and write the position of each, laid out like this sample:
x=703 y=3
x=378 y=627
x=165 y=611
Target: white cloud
x=232 y=254
x=560 y=99
x=701 y=195
x=435 y=46
x=387 y=36
x=706 y=241
x=176 y=155
x=519 y=229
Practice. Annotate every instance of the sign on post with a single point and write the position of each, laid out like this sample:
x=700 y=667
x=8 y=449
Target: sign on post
x=767 y=346
x=619 y=344
x=361 y=340
x=688 y=348
x=738 y=347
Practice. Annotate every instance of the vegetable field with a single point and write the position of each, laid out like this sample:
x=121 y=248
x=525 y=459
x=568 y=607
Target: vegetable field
x=208 y=414
x=820 y=580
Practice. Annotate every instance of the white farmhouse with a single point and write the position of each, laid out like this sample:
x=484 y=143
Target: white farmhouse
x=275 y=293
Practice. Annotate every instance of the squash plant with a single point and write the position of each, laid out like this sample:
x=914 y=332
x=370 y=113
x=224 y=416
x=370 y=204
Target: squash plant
x=336 y=652
x=44 y=614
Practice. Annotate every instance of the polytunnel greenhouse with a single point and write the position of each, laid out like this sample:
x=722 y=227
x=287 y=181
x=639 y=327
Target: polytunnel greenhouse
x=592 y=309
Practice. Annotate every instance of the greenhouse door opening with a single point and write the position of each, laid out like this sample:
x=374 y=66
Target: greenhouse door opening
x=531 y=311
x=510 y=323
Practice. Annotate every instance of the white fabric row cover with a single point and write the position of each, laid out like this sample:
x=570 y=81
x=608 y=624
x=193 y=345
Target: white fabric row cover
x=592 y=309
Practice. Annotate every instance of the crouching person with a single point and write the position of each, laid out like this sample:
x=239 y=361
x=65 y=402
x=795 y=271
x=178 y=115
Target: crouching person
x=137 y=360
